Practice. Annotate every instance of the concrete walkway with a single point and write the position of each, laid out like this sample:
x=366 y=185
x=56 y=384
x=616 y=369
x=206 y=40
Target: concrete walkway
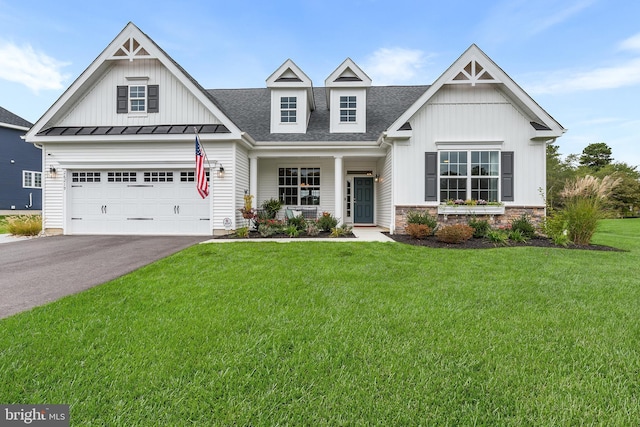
x=10 y=238
x=363 y=234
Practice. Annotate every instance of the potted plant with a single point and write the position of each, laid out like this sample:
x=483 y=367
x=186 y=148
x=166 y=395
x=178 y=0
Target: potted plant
x=247 y=210
x=272 y=206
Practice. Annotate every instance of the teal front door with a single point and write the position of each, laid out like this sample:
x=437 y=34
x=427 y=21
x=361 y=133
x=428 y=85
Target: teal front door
x=363 y=201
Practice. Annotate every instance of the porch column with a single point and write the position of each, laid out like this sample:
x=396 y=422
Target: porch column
x=339 y=185
x=253 y=179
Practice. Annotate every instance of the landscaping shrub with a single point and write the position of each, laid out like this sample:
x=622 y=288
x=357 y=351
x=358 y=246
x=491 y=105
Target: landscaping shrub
x=271 y=207
x=267 y=230
x=327 y=221
x=524 y=225
x=312 y=228
x=498 y=237
x=424 y=218
x=480 y=227
x=456 y=233
x=24 y=225
x=583 y=205
x=292 y=230
x=242 y=232
x=418 y=231
x=518 y=236
x=298 y=222
x=555 y=227
x=342 y=231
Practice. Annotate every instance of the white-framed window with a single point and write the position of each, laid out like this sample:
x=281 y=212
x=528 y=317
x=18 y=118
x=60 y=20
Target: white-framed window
x=121 y=177
x=31 y=179
x=138 y=98
x=288 y=105
x=469 y=175
x=159 y=176
x=299 y=186
x=85 y=176
x=348 y=108
x=190 y=176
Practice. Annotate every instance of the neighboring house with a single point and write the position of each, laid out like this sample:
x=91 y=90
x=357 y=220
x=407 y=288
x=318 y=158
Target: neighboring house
x=21 y=167
x=122 y=141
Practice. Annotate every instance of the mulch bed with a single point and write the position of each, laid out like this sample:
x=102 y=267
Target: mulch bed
x=486 y=244
x=302 y=235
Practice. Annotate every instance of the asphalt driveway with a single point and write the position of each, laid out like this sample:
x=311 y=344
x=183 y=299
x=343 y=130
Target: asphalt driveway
x=36 y=271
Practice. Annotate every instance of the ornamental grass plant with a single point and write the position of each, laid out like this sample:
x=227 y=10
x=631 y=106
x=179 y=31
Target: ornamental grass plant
x=24 y=225
x=584 y=205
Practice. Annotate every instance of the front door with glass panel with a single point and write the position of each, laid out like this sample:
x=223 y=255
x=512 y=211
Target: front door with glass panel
x=363 y=201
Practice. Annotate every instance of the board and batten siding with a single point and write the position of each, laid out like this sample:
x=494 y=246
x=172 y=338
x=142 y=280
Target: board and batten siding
x=465 y=114
x=97 y=107
x=133 y=156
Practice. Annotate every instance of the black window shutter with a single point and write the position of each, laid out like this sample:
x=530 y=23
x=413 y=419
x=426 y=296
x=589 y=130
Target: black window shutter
x=122 y=99
x=153 y=97
x=507 y=176
x=431 y=176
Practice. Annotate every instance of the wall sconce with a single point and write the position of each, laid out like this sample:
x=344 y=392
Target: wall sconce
x=377 y=178
x=52 y=172
x=221 y=172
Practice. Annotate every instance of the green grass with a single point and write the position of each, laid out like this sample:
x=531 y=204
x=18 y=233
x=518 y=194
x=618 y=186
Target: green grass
x=343 y=334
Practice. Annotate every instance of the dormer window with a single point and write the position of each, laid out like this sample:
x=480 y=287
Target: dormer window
x=288 y=105
x=138 y=99
x=347 y=109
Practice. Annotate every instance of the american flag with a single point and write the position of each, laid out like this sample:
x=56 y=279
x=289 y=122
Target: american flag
x=201 y=176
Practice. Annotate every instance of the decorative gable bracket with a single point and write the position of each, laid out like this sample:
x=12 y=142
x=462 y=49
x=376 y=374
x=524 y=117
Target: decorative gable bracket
x=473 y=73
x=131 y=49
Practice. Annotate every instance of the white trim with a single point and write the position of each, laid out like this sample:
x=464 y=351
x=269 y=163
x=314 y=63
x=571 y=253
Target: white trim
x=469 y=146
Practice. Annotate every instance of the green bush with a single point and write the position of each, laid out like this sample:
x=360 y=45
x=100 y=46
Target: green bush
x=267 y=230
x=271 y=207
x=498 y=237
x=327 y=221
x=518 y=236
x=480 y=227
x=524 y=225
x=424 y=218
x=342 y=231
x=556 y=227
x=292 y=231
x=418 y=231
x=298 y=222
x=242 y=232
x=456 y=233
x=24 y=225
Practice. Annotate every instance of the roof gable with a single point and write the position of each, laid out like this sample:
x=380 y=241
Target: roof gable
x=289 y=75
x=348 y=74
x=130 y=44
x=472 y=68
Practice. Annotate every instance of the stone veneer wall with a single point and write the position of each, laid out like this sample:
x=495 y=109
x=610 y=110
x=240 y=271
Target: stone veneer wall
x=535 y=214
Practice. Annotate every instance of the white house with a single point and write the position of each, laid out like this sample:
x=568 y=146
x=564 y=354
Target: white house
x=118 y=145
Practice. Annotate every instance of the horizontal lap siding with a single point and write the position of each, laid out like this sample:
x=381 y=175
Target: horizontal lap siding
x=462 y=114
x=384 y=191
x=136 y=156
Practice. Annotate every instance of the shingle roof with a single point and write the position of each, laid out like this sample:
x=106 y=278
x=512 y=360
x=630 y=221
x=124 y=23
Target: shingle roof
x=9 y=118
x=250 y=110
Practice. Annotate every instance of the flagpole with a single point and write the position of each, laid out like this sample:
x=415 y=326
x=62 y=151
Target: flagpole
x=195 y=130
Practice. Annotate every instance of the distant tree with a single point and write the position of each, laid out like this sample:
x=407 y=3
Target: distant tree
x=559 y=171
x=596 y=156
x=625 y=197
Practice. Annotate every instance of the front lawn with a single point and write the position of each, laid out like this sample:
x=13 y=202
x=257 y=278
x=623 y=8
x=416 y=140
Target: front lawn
x=325 y=333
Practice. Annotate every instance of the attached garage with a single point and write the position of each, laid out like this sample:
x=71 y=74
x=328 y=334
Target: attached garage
x=160 y=202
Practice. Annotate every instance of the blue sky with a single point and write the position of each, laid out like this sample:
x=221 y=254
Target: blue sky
x=579 y=59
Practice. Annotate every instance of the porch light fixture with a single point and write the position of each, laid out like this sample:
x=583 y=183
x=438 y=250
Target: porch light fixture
x=377 y=178
x=221 y=172
x=52 y=172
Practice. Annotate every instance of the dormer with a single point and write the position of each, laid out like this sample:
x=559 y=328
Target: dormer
x=291 y=99
x=346 y=90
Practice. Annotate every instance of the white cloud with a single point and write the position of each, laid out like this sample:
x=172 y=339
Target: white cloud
x=632 y=43
x=613 y=77
x=35 y=70
x=388 y=66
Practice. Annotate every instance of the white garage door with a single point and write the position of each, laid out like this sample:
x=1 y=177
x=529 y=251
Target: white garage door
x=136 y=202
